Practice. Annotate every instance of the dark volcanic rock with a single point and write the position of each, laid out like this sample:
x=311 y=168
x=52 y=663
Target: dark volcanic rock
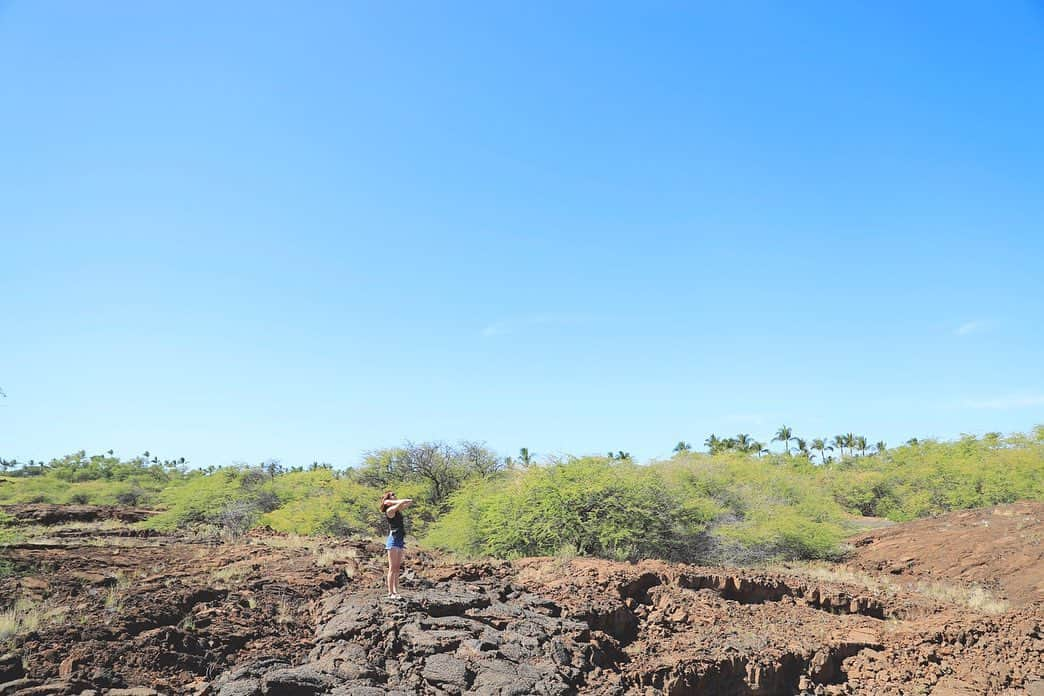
x=453 y=602
x=445 y=669
x=289 y=620
x=355 y=615
x=243 y=687
x=445 y=639
x=296 y=681
x=11 y=667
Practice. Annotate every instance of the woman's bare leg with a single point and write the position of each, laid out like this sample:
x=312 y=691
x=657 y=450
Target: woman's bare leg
x=394 y=563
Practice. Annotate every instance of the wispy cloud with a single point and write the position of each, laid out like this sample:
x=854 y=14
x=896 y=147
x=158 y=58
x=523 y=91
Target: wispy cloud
x=969 y=327
x=523 y=323
x=1006 y=402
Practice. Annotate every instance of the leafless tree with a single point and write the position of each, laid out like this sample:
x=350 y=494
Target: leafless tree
x=433 y=462
x=479 y=460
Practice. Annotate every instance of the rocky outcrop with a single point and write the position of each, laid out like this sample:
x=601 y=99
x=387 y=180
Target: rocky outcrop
x=453 y=638
x=761 y=589
x=275 y=615
x=46 y=514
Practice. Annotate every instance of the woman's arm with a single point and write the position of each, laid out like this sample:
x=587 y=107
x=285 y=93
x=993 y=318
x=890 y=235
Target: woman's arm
x=397 y=505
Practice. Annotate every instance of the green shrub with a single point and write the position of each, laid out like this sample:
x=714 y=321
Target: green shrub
x=79 y=479
x=8 y=535
x=756 y=509
x=728 y=507
x=201 y=498
x=34 y=489
x=592 y=505
x=931 y=478
x=318 y=502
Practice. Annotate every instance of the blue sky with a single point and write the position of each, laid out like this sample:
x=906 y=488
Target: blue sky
x=236 y=231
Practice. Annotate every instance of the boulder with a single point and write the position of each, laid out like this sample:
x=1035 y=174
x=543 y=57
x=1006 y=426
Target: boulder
x=447 y=602
x=242 y=687
x=296 y=681
x=354 y=615
x=445 y=669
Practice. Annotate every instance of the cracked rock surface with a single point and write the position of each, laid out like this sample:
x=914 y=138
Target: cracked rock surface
x=143 y=614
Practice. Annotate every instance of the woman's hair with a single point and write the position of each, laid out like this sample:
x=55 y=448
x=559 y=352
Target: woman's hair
x=385 y=498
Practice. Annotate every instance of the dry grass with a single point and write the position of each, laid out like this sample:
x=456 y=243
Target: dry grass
x=113 y=600
x=116 y=593
x=24 y=616
x=233 y=573
x=974 y=597
x=336 y=555
x=20 y=617
x=459 y=557
x=290 y=541
x=545 y=571
x=825 y=571
x=38 y=530
x=285 y=612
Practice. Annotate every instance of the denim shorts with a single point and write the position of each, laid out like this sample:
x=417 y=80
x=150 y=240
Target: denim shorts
x=395 y=540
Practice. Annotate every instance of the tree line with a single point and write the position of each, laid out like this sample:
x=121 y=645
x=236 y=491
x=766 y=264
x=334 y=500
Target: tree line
x=845 y=444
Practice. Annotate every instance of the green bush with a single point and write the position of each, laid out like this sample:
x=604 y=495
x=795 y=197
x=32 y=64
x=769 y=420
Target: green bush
x=318 y=502
x=203 y=498
x=727 y=507
x=756 y=509
x=931 y=478
x=592 y=506
x=730 y=507
x=96 y=480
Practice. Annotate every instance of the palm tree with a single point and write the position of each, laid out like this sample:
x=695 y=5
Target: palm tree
x=839 y=442
x=682 y=446
x=850 y=441
x=524 y=456
x=713 y=443
x=860 y=442
x=743 y=442
x=913 y=442
x=758 y=448
x=802 y=447
x=880 y=446
x=784 y=434
x=821 y=446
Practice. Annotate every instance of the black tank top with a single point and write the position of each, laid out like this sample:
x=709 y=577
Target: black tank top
x=397 y=523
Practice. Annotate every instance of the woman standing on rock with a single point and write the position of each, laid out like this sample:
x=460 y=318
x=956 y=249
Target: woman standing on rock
x=396 y=544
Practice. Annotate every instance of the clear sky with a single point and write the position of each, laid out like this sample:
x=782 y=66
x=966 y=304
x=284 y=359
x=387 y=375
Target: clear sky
x=235 y=231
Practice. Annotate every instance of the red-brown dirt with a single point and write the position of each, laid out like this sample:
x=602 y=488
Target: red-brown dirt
x=1000 y=548
x=270 y=614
